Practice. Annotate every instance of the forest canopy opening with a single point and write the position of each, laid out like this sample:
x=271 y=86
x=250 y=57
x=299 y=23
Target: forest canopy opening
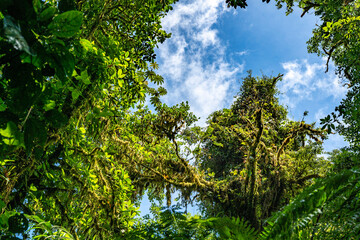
x=84 y=133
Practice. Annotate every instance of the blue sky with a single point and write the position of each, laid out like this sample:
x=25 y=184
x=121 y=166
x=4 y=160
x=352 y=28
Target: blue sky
x=213 y=46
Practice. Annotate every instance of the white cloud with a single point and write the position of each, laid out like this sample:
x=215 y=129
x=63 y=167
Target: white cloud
x=303 y=80
x=207 y=37
x=242 y=53
x=207 y=87
x=193 y=60
x=332 y=85
x=173 y=56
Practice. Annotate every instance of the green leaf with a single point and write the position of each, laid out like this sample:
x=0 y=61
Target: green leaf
x=4 y=220
x=10 y=130
x=66 y=24
x=12 y=134
x=120 y=74
x=105 y=114
x=37 y=219
x=84 y=77
x=33 y=188
x=2 y=105
x=4 y=161
x=75 y=94
x=120 y=83
x=34 y=218
x=34 y=60
x=86 y=44
x=63 y=62
x=49 y=104
x=47 y=14
x=37 y=5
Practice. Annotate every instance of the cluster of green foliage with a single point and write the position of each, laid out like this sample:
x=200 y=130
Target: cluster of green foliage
x=329 y=209
x=78 y=147
x=259 y=158
x=170 y=223
x=70 y=73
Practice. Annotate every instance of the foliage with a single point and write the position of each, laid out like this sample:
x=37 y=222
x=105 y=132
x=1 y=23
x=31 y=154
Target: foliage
x=240 y=3
x=170 y=223
x=70 y=71
x=329 y=209
x=256 y=157
x=233 y=228
x=173 y=224
x=251 y=160
x=78 y=148
x=343 y=159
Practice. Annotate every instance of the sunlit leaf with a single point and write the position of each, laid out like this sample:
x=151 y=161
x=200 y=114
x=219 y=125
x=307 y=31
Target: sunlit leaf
x=50 y=104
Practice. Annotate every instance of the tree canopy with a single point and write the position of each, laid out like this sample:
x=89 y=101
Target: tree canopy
x=80 y=143
x=70 y=74
x=261 y=158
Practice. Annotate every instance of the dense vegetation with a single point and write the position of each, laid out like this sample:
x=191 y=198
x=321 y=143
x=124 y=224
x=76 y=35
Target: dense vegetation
x=79 y=147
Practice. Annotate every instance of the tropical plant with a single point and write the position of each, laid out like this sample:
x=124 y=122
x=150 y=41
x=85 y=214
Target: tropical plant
x=70 y=71
x=170 y=223
x=329 y=208
x=258 y=158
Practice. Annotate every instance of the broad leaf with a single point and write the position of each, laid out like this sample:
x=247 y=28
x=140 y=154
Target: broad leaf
x=66 y=24
x=47 y=14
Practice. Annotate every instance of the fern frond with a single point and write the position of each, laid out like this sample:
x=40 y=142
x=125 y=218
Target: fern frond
x=233 y=228
x=329 y=209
